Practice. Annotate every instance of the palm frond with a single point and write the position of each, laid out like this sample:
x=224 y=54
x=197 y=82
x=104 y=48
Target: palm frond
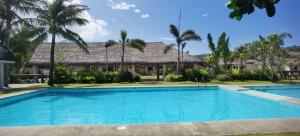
x=74 y=37
x=168 y=48
x=137 y=44
x=190 y=35
x=211 y=44
x=123 y=34
x=174 y=31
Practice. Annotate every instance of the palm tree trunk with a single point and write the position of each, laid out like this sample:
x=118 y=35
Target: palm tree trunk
x=182 y=66
x=178 y=58
x=51 y=76
x=106 y=59
x=7 y=44
x=122 y=57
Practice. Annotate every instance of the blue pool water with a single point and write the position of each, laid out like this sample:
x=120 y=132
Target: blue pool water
x=285 y=90
x=137 y=105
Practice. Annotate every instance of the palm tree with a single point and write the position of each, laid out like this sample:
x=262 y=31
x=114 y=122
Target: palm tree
x=10 y=11
x=54 y=20
x=242 y=53
x=188 y=35
x=223 y=48
x=108 y=44
x=133 y=43
x=215 y=53
x=182 y=48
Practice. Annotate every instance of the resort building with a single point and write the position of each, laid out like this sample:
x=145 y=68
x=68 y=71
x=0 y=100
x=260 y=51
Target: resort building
x=150 y=62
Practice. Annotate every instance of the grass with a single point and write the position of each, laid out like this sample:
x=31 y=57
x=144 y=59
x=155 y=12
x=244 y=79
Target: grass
x=146 y=83
x=274 y=134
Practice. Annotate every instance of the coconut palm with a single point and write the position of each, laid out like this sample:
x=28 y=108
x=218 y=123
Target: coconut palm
x=188 y=35
x=223 y=48
x=10 y=11
x=133 y=43
x=182 y=48
x=55 y=19
x=108 y=44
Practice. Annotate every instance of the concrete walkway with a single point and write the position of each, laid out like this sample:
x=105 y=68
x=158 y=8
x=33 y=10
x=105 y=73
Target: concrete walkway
x=175 y=129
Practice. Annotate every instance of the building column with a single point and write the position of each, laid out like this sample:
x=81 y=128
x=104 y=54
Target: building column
x=164 y=69
x=1 y=75
x=34 y=69
x=132 y=68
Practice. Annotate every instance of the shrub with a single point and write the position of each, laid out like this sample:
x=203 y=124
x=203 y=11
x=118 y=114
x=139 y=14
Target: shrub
x=127 y=76
x=173 y=78
x=63 y=75
x=106 y=77
x=224 y=77
x=197 y=74
x=84 y=76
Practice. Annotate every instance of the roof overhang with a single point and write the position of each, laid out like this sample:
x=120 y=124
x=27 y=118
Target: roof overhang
x=6 y=61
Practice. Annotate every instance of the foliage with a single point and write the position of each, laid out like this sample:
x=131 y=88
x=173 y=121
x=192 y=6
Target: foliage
x=258 y=74
x=84 y=76
x=241 y=7
x=219 y=51
x=181 y=39
x=55 y=19
x=127 y=76
x=197 y=75
x=223 y=77
x=107 y=77
x=125 y=41
x=173 y=78
x=63 y=75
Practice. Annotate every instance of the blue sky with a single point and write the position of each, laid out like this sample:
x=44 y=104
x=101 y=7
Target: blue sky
x=150 y=20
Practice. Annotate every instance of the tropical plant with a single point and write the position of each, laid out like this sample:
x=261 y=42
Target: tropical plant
x=133 y=43
x=219 y=51
x=188 y=35
x=182 y=48
x=241 y=7
x=10 y=11
x=223 y=48
x=55 y=19
x=242 y=54
x=23 y=43
x=108 y=44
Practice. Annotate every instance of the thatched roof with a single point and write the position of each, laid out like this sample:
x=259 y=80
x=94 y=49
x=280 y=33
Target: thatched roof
x=6 y=55
x=69 y=53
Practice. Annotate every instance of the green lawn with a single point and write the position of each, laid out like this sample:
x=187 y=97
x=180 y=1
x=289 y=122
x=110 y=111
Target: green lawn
x=146 y=83
x=275 y=134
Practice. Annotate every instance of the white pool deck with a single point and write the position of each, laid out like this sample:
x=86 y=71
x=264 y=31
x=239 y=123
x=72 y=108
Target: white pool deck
x=215 y=128
x=270 y=96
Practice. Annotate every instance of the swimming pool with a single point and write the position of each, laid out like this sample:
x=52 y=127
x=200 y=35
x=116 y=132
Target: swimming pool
x=137 y=106
x=285 y=90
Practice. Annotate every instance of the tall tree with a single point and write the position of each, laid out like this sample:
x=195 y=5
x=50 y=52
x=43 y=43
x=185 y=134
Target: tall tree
x=242 y=7
x=107 y=45
x=55 y=19
x=215 y=53
x=188 y=35
x=10 y=11
x=182 y=49
x=242 y=54
x=23 y=43
x=223 y=48
x=133 y=43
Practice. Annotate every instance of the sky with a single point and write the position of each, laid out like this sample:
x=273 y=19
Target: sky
x=150 y=20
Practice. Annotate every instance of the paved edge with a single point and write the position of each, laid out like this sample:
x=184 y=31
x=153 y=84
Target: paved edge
x=264 y=95
x=176 y=129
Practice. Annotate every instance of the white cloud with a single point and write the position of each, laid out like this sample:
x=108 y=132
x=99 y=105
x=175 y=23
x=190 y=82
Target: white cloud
x=92 y=31
x=120 y=5
x=167 y=39
x=205 y=15
x=145 y=16
x=137 y=11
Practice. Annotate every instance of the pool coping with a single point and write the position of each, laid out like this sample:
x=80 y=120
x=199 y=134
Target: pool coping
x=264 y=95
x=211 y=128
